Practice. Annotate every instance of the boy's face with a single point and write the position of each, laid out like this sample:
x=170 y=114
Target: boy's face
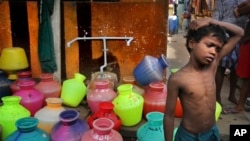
x=206 y=51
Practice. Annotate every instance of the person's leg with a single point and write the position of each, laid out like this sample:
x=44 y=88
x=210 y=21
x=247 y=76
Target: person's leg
x=175 y=9
x=219 y=78
x=243 y=71
x=233 y=85
x=188 y=22
x=244 y=92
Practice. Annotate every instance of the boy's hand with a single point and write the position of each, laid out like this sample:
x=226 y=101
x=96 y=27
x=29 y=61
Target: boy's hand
x=236 y=13
x=195 y=24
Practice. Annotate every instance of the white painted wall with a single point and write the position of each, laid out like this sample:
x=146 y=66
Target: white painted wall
x=56 y=25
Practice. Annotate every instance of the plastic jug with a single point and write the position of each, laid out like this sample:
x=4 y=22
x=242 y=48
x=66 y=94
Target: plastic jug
x=128 y=105
x=73 y=90
x=150 y=69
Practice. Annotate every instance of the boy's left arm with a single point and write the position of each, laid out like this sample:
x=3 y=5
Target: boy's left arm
x=236 y=33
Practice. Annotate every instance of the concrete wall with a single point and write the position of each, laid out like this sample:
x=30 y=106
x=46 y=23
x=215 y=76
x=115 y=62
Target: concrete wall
x=145 y=20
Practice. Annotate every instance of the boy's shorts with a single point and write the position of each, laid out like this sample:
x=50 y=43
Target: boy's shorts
x=210 y=135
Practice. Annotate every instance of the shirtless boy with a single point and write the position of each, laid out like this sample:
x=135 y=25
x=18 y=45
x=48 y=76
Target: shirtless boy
x=207 y=42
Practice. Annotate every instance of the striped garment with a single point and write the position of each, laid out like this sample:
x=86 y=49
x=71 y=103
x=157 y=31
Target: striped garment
x=223 y=11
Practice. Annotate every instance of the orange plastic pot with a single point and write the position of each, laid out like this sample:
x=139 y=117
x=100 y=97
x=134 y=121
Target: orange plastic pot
x=178 y=109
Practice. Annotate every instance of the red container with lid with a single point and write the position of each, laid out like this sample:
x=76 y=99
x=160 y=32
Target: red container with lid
x=155 y=98
x=105 y=111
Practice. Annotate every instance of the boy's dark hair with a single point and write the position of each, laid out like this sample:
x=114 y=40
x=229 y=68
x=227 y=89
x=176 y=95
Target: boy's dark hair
x=197 y=35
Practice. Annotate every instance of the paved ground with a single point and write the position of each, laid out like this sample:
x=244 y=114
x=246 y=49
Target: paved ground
x=177 y=56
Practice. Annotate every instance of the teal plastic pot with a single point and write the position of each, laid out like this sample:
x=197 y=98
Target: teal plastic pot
x=27 y=131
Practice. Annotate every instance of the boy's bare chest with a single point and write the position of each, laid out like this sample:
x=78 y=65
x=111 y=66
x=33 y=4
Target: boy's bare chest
x=199 y=84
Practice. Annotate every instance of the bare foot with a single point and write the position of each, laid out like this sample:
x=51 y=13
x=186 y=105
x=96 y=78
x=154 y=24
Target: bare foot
x=233 y=100
x=232 y=110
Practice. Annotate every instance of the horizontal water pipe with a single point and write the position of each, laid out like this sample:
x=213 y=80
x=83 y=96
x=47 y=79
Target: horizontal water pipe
x=127 y=39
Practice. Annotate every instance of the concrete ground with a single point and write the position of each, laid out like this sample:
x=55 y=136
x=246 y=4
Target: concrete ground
x=178 y=56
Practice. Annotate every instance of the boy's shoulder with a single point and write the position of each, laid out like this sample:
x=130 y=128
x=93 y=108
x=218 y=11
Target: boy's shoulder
x=178 y=79
x=178 y=75
x=185 y=73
